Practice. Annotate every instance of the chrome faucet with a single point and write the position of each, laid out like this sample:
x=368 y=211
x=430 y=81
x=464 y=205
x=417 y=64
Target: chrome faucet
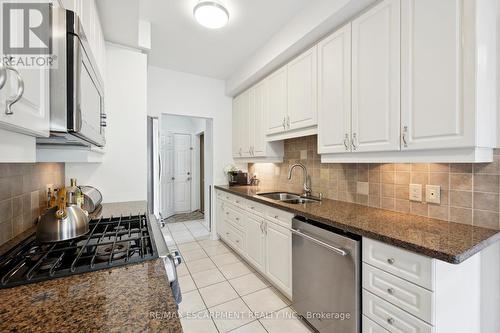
x=307 y=189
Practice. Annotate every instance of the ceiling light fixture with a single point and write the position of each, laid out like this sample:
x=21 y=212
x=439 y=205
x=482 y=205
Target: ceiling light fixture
x=211 y=14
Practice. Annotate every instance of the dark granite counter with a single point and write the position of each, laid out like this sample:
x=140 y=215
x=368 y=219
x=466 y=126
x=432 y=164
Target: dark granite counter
x=133 y=298
x=447 y=241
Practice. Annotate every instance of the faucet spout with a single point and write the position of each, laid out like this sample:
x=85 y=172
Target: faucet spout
x=307 y=189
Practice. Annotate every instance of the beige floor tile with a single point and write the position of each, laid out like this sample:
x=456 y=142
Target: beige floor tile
x=231 y=315
x=182 y=269
x=207 y=243
x=284 y=321
x=217 y=250
x=176 y=227
x=226 y=258
x=235 y=270
x=191 y=303
x=194 y=324
x=200 y=265
x=193 y=255
x=263 y=301
x=253 y=327
x=206 y=278
x=189 y=246
x=248 y=284
x=218 y=293
x=186 y=283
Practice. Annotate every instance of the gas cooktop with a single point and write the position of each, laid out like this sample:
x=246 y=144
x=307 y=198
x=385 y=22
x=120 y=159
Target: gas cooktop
x=111 y=242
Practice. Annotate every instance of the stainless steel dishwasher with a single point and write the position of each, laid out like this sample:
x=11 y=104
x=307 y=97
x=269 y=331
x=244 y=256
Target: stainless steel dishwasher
x=326 y=277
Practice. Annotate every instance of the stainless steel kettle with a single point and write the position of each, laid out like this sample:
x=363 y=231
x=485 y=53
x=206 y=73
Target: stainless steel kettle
x=62 y=223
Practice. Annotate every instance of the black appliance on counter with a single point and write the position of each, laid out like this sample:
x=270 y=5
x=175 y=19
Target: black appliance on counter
x=111 y=242
x=238 y=178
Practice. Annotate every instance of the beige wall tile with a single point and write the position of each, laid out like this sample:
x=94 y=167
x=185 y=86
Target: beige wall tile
x=486 y=201
x=486 y=219
x=462 y=182
x=486 y=183
x=461 y=215
x=418 y=208
x=461 y=199
x=439 y=212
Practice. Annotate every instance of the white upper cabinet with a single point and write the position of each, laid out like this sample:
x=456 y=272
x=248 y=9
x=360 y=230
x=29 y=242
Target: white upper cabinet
x=237 y=151
x=438 y=109
x=258 y=121
x=241 y=107
x=277 y=102
x=334 y=92
x=302 y=91
x=376 y=78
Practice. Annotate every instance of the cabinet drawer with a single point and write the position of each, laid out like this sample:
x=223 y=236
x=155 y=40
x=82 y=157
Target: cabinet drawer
x=390 y=317
x=370 y=326
x=404 y=264
x=256 y=208
x=236 y=238
x=280 y=216
x=406 y=295
x=234 y=216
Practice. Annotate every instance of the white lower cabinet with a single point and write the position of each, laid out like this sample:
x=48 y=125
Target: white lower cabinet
x=256 y=241
x=279 y=256
x=260 y=234
x=408 y=292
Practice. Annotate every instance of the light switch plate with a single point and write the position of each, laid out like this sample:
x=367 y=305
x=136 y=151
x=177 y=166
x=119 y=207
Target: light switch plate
x=416 y=192
x=433 y=194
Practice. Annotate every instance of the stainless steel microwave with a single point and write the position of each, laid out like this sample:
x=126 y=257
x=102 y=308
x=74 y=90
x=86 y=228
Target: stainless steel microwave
x=77 y=115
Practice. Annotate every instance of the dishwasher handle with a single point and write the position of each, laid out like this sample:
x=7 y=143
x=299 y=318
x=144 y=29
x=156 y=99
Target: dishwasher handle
x=317 y=241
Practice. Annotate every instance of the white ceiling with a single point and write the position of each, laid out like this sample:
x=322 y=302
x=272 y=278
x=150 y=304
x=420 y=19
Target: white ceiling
x=180 y=43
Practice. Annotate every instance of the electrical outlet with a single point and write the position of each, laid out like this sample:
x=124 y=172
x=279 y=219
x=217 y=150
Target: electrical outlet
x=362 y=188
x=416 y=192
x=433 y=194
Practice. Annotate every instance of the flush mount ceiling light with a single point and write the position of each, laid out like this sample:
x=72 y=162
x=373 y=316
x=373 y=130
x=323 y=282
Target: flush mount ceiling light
x=211 y=14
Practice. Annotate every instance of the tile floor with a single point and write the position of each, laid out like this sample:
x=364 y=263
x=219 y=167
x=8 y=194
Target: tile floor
x=220 y=292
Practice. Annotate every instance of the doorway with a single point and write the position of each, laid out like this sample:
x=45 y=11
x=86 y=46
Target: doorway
x=186 y=169
x=202 y=172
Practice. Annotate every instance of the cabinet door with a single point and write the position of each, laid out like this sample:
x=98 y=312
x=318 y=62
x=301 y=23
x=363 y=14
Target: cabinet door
x=334 y=92
x=376 y=78
x=31 y=114
x=302 y=90
x=244 y=118
x=260 y=112
x=255 y=242
x=279 y=256
x=237 y=152
x=433 y=111
x=277 y=101
x=220 y=218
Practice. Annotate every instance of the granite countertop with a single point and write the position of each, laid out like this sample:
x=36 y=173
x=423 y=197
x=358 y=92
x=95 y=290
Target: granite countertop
x=447 y=241
x=132 y=298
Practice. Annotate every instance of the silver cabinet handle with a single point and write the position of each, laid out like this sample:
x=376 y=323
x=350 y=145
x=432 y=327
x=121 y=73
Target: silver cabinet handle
x=354 y=142
x=391 y=261
x=403 y=136
x=346 y=142
x=288 y=121
x=3 y=74
x=20 y=91
x=284 y=122
x=390 y=291
x=390 y=321
x=173 y=178
x=317 y=241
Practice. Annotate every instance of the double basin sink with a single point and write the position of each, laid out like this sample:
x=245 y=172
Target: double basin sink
x=289 y=198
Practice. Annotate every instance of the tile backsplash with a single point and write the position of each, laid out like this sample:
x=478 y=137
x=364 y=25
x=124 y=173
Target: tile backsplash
x=469 y=192
x=23 y=194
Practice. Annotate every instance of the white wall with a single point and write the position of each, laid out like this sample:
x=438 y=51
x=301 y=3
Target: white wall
x=183 y=94
x=122 y=176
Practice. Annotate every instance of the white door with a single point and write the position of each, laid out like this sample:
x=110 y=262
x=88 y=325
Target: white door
x=376 y=78
x=167 y=183
x=433 y=112
x=182 y=173
x=277 y=101
x=302 y=89
x=334 y=92
x=260 y=112
x=279 y=256
x=255 y=241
